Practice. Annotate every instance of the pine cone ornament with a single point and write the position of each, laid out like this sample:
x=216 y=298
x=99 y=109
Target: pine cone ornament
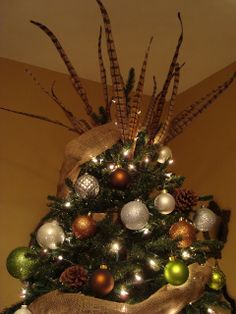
x=74 y=277
x=185 y=199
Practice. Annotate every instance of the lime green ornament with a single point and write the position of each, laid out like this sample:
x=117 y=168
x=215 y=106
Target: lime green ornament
x=176 y=272
x=217 y=279
x=21 y=264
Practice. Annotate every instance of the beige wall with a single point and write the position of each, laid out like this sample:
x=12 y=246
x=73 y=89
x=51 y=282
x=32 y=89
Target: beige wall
x=31 y=154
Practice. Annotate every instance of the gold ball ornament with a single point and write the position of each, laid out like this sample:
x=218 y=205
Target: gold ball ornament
x=102 y=282
x=164 y=203
x=119 y=178
x=185 y=231
x=84 y=227
x=217 y=279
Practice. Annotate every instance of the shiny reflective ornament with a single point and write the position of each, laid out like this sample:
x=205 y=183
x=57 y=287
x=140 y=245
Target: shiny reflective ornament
x=21 y=263
x=205 y=219
x=87 y=186
x=120 y=178
x=50 y=235
x=23 y=310
x=164 y=155
x=185 y=231
x=164 y=203
x=176 y=272
x=102 y=282
x=134 y=215
x=84 y=227
x=217 y=279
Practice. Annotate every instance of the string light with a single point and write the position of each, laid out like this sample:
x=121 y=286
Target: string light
x=171 y=161
x=168 y=175
x=154 y=264
x=115 y=247
x=60 y=257
x=146 y=159
x=94 y=159
x=126 y=152
x=68 y=204
x=45 y=250
x=210 y=311
x=185 y=254
x=23 y=293
x=131 y=166
x=124 y=293
x=139 y=112
x=146 y=231
x=112 y=167
x=138 y=277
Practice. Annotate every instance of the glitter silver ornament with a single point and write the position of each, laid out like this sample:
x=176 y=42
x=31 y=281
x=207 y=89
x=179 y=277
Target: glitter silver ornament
x=50 y=235
x=23 y=310
x=87 y=186
x=134 y=215
x=164 y=203
x=165 y=154
x=205 y=219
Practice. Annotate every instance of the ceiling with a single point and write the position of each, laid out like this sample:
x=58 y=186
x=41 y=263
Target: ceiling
x=209 y=35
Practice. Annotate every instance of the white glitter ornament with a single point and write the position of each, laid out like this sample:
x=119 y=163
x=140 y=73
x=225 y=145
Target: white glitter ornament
x=134 y=215
x=87 y=186
x=205 y=219
x=165 y=154
x=164 y=203
x=23 y=310
x=50 y=235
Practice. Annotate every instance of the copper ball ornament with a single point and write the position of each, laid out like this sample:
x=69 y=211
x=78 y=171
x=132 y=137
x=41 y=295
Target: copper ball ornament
x=185 y=231
x=102 y=282
x=119 y=178
x=84 y=227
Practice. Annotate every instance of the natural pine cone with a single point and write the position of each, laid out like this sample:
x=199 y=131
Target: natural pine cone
x=185 y=199
x=74 y=276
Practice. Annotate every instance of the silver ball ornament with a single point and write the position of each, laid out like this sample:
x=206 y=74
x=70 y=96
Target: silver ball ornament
x=164 y=203
x=87 y=186
x=50 y=235
x=134 y=215
x=165 y=154
x=23 y=310
x=205 y=219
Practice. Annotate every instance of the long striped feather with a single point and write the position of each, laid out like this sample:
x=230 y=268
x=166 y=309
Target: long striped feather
x=117 y=80
x=74 y=76
x=134 y=115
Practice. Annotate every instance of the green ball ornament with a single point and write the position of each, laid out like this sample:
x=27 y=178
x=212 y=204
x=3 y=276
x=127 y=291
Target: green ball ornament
x=217 y=279
x=20 y=265
x=176 y=272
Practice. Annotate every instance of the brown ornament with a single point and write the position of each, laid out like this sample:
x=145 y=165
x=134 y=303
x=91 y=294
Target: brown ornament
x=185 y=231
x=102 y=282
x=74 y=277
x=185 y=199
x=119 y=178
x=84 y=227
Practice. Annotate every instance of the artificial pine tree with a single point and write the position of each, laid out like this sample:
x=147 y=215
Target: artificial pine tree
x=122 y=235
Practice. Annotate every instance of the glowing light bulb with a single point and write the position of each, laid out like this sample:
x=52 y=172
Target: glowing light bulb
x=68 y=204
x=153 y=263
x=23 y=293
x=94 y=159
x=138 y=277
x=146 y=231
x=124 y=293
x=115 y=247
x=209 y=310
x=112 y=167
x=126 y=152
x=60 y=257
x=131 y=166
x=171 y=161
x=185 y=254
x=146 y=159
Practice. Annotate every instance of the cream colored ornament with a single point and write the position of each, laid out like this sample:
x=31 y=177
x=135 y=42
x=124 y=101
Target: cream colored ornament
x=165 y=154
x=50 y=235
x=164 y=203
x=23 y=310
x=134 y=215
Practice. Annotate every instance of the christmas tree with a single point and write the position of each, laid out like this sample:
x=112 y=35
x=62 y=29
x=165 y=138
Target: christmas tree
x=123 y=235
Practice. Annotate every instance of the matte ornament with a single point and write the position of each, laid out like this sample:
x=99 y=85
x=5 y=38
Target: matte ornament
x=119 y=178
x=185 y=231
x=205 y=219
x=165 y=154
x=134 y=215
x=21 y=264
x=50 y=235
x=164 y=203
x=176 y=273
x=87 y=186
x=23 y=310
x=102 y=282
x=84 y=227
x=217 y=279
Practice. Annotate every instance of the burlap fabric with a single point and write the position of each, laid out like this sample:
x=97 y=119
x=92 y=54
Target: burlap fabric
x=82 y=149
x=168 y=300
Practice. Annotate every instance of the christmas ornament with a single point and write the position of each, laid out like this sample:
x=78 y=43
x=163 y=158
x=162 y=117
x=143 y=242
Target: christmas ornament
x=164 y=155
x=50 y=235
x=164 y=202
x=205 y=219
x=102 y=282
x=119 y=178
x=217 y=279
x=74 y=277
x=185 y=199
x=134 y=215
x=176 y=272
x=87 y=186
x=23 y=310
x=185 y=231
x=21 y=263
x=84 y=227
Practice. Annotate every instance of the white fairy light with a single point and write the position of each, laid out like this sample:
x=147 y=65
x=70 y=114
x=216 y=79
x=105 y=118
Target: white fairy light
x=131 y=166
x=126 y=152
x=23 y=293
x=146 y=231
x=115 y=247
x=124 y=293
x=94 y=159
x=113 y=100
x=171 y=161
x=138 y=277
x=60 y=257
x=139 y=112
x=210 y=311
x=112 y=167
x=154 y=264
x=45 y=250
x=146 y=159
x=168 y=175
x=185 y=254
x=67 y=204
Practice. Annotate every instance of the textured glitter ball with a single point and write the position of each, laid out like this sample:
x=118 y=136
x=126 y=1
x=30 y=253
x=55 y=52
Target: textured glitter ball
x=205 y=219
x=87 y=186
x=134 y=215
x=50 y=235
